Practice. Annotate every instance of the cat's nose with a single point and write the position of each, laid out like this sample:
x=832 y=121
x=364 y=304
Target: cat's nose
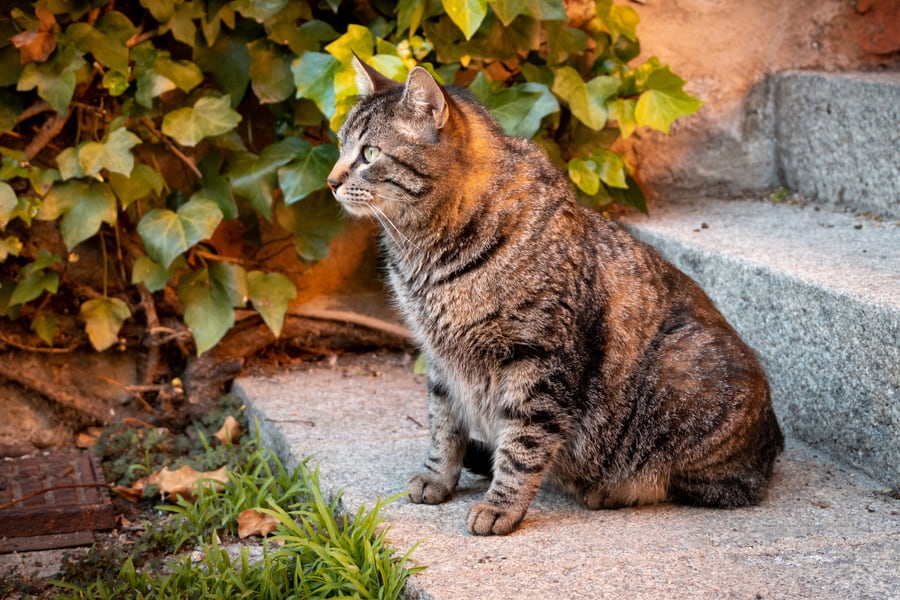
x=336 y=178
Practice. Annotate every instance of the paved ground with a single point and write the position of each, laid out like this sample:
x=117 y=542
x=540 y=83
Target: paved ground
x=824 y=532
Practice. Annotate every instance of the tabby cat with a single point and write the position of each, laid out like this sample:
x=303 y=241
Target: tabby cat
x=567 y=350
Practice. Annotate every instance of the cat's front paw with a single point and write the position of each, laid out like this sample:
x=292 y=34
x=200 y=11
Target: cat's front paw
x=487 y=519
x=424 y=489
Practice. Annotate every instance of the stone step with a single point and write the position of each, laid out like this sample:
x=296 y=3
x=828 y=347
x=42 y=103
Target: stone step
x=823 y=532
x=817 y=294
x=838 y=138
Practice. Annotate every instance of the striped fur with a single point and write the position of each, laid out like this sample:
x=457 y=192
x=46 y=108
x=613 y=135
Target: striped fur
x=571 y=352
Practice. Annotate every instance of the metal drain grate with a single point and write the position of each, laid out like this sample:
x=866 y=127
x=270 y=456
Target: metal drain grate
x=75 y=499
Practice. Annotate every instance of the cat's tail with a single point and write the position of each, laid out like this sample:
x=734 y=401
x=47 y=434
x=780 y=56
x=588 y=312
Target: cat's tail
x=479 y=458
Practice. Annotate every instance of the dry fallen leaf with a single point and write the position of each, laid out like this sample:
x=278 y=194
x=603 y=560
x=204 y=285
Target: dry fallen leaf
x=129 y=493
x=253 y=522
x=182 y=482
x=230 y=432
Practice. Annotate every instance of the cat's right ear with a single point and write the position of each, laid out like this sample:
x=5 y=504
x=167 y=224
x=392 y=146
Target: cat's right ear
x=368 y=80
x=425 y=96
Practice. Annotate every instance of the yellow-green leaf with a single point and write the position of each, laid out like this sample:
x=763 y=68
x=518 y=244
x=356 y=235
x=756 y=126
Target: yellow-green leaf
x=663 y=101
x=208 y=117
x=467 y=14
x=45 y=326
x=207 y=307
x=84 y=206
x=103 y=319
x=586 y=100
x=8 y=203
x=113 y=155
x=167 y=234
x=270 y=294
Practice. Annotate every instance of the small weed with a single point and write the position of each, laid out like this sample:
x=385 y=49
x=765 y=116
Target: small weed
x=324 y=554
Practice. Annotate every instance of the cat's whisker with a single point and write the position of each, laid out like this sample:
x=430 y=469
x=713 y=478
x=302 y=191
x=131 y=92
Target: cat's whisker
x=387 y=221
x=392 y=199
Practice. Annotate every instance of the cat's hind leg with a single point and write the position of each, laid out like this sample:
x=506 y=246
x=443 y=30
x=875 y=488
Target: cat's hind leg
x=636 y=491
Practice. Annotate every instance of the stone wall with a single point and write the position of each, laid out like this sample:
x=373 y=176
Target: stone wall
x=726 y=49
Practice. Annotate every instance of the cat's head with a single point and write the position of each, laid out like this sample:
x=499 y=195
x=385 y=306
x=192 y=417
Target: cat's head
x=395 y=143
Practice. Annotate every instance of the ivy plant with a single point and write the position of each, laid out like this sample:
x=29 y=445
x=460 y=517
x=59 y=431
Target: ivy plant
x=149 y=129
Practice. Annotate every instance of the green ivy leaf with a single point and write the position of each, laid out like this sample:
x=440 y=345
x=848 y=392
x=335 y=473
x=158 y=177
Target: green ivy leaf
x=283 y=30
x=314 y=222
x=314 y=79
x=45 y=326
x=106 y=41
x=10 y=109
x=259 y=10
x=207 y=306
x=10 y=65
x=162 y=10
x=113 y=155
x=621 y=110
x=208 y=117
x=623 y=20
x=270 y=294
x=358 y=39
x=11 y=245
x=583 y=173
x=216 y=188
x=390 y=66
x=7 y=309
x=586 y=100
x=8 y=203
x=32 y=285
x=103 y=319
x=611 y=168
x=631 y=196
x=154 y=275
x=167 y=234
x=518 y=108
x=229 y=62
x=69 y=166
x=55 y=79
x=255 y=177
x=270 y=72
x=308 y=172
x=543 y=10
x=409 y=15
x=143 y=182
x=562 y=41
x=183 y=73
x=664 y=101
x=84 y=207
x=467 y=14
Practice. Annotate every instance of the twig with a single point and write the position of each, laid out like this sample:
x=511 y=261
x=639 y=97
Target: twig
x=416 y=422
x=53 y=489
x=139 y=38
x=175 y=150
x=310 y=423
x=35 y=109
x=49 y=130
x=152 y=325
x=219 y=257
x=21 y=346
x=138 y=422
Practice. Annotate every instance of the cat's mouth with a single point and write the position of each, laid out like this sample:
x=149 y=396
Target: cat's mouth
x=356 y=207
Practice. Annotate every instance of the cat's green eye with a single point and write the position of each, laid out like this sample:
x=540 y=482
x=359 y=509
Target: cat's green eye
x=370 y=153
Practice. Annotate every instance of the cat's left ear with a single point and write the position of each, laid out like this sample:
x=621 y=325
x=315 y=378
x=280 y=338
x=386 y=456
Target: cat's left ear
x=425 y=96
x=368 y=80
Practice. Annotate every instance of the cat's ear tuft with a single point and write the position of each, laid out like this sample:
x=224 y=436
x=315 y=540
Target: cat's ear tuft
x=368 y=80
x=424 y=95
